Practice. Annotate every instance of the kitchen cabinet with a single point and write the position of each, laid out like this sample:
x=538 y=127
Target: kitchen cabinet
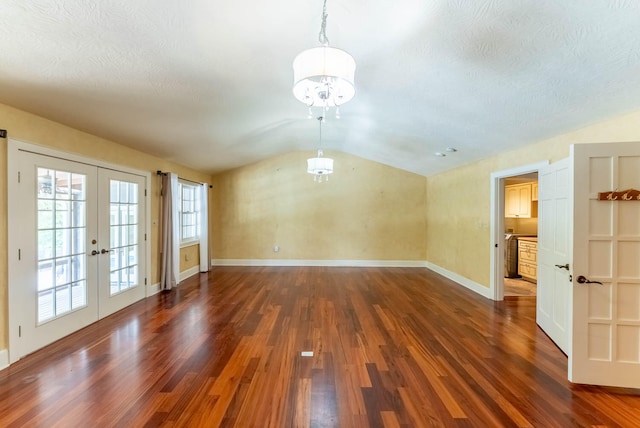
x=517 y=201
x=528 y=258
x=534 y=191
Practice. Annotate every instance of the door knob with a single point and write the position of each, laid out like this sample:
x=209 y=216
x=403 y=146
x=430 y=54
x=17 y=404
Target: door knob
x=564 y=266
x=104 y=251
x=94 y=252
x=582 y=280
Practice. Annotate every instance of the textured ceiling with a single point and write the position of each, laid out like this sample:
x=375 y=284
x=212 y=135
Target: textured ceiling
x=208 y=83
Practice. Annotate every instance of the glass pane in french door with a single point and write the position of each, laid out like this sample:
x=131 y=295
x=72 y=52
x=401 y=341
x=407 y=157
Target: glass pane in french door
x=124 y=235
x=62 y=231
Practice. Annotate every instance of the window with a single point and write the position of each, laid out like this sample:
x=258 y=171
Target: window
x=62 y=282
x=124 y=237
x=189 y=214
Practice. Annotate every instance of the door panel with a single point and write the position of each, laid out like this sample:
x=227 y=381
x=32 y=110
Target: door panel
x=122 y=234
x=606 y=247
x=554 y=288
x=53 y=278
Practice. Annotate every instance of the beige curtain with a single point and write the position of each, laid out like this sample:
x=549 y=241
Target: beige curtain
x=170 y=232
x=204 y=228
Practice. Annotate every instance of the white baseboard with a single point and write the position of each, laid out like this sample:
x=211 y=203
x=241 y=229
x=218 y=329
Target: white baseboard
x=465 y=282
x=4 y=359
x=189 y=273
x=329 y=263
x=153 y=289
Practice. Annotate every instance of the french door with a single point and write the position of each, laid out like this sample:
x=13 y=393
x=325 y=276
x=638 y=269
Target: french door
x=77 y=235
x=121 y=237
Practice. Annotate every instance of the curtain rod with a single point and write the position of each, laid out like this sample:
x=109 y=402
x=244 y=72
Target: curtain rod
x=158 y=172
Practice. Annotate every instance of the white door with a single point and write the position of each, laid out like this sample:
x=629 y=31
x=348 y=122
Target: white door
x=121 y=236
x=52 y=275
x=554 y=294
x=61 y=215
x=606 y=251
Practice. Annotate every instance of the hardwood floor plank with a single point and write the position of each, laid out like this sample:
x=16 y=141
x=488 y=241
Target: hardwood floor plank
x=349 y=394
x=442 y=392
x=371 y=338
x=324 y=406
x=507 y=406
x=303 y=401
x=396 y=347
x=389 y=420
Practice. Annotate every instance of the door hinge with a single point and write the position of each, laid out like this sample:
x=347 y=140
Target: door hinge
x=19 y=254
x=19 y=331
x=145 y=281
x=18 y=176
x=145 y=236
x=145 y=192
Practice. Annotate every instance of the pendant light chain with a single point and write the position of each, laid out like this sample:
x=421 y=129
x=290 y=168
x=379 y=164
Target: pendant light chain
x=320 y=152
x=322 y=36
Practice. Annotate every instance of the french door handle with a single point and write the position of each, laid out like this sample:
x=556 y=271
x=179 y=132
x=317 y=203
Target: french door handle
x=582 y=280
x=104 y=251
x=564 y=266
x=94 y=253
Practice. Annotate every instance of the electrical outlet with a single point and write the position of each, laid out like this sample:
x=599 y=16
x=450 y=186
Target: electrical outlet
x=276 y=249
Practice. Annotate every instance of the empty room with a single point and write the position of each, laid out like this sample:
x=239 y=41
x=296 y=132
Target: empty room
x=320 y=214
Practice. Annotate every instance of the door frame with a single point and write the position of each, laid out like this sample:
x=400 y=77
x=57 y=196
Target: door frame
x=496 y=277
x=14 y=147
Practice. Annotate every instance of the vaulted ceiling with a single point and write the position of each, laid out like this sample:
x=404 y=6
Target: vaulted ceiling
x=208 y=83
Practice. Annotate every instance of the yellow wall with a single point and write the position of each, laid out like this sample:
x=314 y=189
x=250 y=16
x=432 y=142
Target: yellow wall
x=458 y=213
x=29 y=128
x=189 y=257
x=366 y=211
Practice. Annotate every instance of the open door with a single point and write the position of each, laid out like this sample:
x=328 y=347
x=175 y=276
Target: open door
x=605 y=347
x=553 y=303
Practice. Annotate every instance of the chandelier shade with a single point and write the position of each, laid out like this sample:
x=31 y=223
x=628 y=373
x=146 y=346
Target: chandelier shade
x=324 y=77
x=320 y=167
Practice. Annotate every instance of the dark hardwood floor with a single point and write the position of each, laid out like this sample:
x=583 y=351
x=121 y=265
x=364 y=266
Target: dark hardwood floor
x=393 y=347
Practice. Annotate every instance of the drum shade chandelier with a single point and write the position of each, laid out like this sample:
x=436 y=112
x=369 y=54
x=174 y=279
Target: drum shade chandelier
x=320 y=166
x=323 y=76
